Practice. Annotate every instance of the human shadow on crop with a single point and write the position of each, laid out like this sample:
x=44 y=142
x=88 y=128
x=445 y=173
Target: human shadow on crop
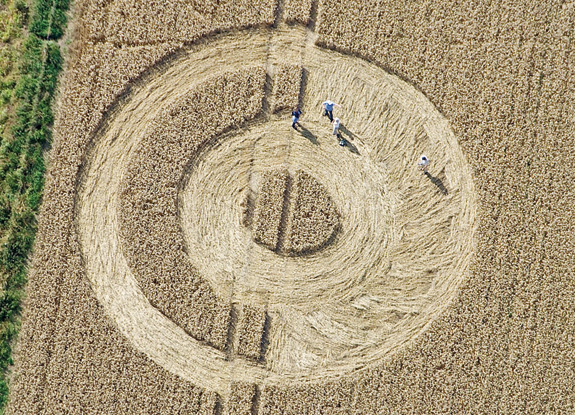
x=307 y=134
x=347 y=137
x=350 y=147
x=437 y=181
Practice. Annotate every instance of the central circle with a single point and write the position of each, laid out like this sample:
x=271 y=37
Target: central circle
x=293 y=214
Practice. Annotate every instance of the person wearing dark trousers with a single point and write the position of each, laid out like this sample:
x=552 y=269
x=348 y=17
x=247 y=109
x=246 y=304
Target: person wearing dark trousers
x=328 y=107
x=295 y=114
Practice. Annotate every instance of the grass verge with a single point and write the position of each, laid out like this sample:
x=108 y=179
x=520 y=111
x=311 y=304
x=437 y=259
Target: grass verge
x=28 y=78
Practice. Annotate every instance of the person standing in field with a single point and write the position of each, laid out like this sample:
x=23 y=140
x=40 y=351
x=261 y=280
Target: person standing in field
x=328 y=109
x=423 y=164
x=295 y=114
x=336 y=123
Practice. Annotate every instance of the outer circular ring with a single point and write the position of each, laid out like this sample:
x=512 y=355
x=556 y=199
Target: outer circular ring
x=117 y=290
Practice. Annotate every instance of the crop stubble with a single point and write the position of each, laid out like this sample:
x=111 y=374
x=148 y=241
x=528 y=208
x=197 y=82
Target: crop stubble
x=502 y=74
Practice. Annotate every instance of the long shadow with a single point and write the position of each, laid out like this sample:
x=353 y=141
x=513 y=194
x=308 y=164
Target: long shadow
x=349 y=135
x=437 y=181
x=307 y=134
x=351 y=147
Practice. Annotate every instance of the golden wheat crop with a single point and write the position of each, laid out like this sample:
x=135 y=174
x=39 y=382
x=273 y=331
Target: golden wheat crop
x=250 y=328
x=297 y=11
x=286 y=87
x=269 y=207
x=501 y=340
x=153 y=22
x=241 y=398
x=313 y=218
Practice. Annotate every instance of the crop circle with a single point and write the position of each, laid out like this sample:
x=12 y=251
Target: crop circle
x=403 y=240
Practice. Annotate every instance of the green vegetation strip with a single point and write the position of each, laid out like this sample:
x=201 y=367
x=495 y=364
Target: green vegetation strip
x=26 y=94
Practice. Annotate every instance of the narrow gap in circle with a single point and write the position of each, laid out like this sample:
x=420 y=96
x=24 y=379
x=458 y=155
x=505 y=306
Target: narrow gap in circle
x=268 y=87
x=278 y=12
x=313 y=15
x=248 y=214
x=302 y=85
x=229 y=346
x=354 y=397
x=265 y=338
x=218 y=408
x=256 y=400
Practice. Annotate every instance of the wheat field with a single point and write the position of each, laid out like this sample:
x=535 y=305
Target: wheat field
x=196 y=254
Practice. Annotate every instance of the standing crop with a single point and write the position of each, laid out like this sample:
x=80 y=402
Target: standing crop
x=313 y=218
x=286 y=88
x=269 y=207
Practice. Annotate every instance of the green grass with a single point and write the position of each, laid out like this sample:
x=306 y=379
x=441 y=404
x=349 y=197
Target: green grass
x=29 y=68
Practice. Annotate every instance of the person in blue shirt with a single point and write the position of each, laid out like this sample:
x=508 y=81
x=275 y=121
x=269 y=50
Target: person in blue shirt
x=328 y=109
x=295 y=114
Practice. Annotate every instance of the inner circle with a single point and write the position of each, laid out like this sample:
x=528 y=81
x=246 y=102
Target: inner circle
x=212 y=214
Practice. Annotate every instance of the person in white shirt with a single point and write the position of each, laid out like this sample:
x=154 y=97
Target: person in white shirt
x=328 y=107
x=423 y=164
x=336 y=123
